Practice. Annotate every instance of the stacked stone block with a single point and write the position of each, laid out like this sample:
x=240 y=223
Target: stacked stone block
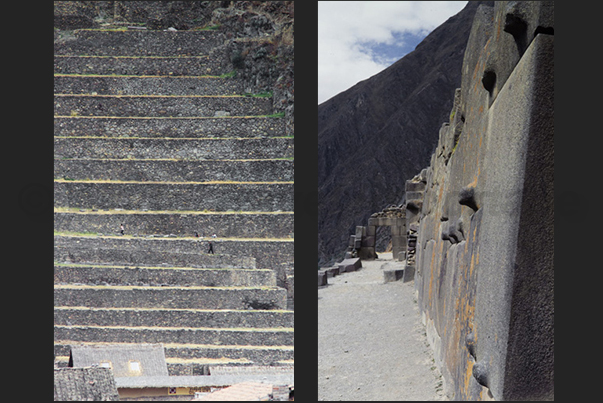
x=151 y=132
x=414 y=202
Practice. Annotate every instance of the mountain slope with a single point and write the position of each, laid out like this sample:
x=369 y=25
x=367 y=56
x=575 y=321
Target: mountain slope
x=382 y=131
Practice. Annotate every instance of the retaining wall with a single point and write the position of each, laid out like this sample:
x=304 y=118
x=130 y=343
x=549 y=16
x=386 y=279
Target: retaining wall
x=224 y=225
x=170 y=297
x=268 y=337
x=484 y=270
x=175 y=196
x=139 y=43
x=136 y=85
x=173 y=66
x=173 y=127
x=198 y=149
x=158 y=106
x=167 y=317
x=238 y=253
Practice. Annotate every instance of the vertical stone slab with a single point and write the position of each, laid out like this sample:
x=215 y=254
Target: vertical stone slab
x=515 y=270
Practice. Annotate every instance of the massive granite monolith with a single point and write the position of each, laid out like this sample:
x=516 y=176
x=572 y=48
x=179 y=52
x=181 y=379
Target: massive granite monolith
x=484 y=253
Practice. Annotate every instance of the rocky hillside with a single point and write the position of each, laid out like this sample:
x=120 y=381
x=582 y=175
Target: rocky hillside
x=381 y=132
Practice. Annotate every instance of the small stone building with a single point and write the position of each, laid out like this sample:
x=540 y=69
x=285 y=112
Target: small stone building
x=124 y=359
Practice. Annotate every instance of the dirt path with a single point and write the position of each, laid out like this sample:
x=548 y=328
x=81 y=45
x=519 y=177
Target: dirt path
x=371 y=343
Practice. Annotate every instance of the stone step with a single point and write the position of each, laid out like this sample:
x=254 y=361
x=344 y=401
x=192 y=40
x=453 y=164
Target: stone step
x=162 y=276
x=138 y=43
x=259 y=355
x=180 y=335
x=112 y=256
x=221 y=318
x=153 y=148
x=182 y=224
x=265 y=254
x=136 y=65
x=170 y=127
x=158 y=170
x=159 y=105
x=146 y=85
x=170 y=297
x=221 y=196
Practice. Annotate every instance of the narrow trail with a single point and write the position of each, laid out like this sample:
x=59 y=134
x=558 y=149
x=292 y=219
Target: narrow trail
x=371 y=343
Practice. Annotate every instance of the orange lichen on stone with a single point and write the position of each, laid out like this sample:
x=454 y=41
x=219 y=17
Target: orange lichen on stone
x=431 y=274
x=468 y=375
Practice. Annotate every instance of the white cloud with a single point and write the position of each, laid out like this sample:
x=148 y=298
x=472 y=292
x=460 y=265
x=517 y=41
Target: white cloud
x=348 y=29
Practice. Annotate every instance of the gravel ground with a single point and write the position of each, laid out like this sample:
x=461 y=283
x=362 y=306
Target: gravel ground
x=371 y=343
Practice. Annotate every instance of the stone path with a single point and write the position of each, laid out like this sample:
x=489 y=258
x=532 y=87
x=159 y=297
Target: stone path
x=371 y=343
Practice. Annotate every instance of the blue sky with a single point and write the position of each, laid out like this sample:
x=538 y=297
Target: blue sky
x=358 y=39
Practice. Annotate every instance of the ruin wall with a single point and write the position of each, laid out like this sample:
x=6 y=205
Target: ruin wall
x=484 y=249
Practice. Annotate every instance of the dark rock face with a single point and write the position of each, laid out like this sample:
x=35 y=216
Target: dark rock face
x=381 y=132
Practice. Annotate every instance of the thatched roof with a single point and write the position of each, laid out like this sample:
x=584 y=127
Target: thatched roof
x=84 y=384
x=126 y=360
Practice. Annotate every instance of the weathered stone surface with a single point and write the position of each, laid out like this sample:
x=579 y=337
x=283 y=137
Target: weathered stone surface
x=225 y=225
x=184 y=196
x=348 y=265
x=392 y=274
x=253 y=318
x=191 y=150
x=170 y=297
x=264 y=337
x=408 y=273
x=322 y=278
x=174 y=127
x=485 y=238
x=159 y=106
x=140 y=276
x=367 y=253
x=139 y=43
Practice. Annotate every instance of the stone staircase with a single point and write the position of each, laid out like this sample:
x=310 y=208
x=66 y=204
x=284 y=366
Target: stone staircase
x=153 y=131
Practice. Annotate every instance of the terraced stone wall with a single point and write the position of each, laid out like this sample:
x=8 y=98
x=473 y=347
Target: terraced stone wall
x=484 y=254
x=155 y=131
